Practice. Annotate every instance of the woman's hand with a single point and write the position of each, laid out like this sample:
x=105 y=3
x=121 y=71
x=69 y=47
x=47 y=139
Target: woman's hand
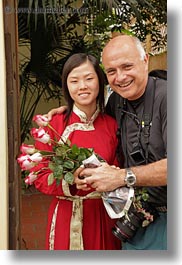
x=80 y=180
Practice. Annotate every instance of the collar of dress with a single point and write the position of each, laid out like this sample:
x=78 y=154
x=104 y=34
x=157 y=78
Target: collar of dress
x=83 y=125
x=83 y=116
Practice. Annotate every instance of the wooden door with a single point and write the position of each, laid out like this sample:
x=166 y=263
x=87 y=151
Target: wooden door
x=13 y=120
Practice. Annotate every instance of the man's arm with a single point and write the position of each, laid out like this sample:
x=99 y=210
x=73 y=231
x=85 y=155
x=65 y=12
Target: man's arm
x=62 y=109
x=107 y=178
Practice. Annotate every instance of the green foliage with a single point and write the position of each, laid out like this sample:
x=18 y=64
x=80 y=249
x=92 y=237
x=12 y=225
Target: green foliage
x=65 y=161
x=141 y=194
x=140 y=17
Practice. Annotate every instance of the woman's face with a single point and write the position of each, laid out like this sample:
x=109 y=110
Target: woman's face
x=83 y=85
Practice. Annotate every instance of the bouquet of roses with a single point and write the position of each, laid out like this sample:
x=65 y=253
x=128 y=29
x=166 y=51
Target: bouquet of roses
x=62 y=160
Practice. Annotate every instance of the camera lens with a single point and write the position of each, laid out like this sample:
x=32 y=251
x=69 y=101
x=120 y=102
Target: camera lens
x=125 y=228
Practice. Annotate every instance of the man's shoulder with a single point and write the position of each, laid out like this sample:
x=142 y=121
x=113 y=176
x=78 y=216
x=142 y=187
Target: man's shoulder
x=160 y=82
x=161 y=86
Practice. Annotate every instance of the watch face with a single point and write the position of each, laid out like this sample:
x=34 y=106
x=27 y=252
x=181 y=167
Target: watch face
x=131 y=180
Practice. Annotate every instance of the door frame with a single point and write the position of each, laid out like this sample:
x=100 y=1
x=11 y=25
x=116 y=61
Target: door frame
x=12 y=126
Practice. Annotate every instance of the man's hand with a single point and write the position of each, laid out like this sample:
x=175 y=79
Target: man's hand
x=102 y=178
x=107 y=178
x=52 y=112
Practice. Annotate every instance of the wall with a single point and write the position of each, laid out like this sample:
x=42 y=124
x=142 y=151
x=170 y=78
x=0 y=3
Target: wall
x=34 y=220
x=158 y=61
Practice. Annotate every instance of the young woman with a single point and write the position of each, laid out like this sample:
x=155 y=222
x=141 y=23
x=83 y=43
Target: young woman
x=77 y=219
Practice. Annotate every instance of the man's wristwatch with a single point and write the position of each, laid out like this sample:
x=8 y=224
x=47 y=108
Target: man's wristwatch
x=130 y=178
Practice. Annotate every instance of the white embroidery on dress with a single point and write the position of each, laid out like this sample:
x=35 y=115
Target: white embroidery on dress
x=84 y=125
x=52 y=230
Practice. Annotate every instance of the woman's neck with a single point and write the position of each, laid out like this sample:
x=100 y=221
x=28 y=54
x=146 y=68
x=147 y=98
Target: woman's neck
x=88 y=110
x=84 y=115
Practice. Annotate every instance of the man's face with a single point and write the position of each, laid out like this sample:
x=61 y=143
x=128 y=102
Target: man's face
x=126 y=72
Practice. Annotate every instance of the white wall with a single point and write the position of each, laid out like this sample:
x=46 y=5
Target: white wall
x=3 y=143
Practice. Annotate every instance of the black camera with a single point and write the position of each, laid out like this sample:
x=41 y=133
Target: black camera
x=125 y=228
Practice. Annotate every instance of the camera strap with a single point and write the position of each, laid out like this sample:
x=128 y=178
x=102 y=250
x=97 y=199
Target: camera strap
x=147 y=114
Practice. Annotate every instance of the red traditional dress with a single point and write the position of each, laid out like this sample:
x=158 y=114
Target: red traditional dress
x=77 y=219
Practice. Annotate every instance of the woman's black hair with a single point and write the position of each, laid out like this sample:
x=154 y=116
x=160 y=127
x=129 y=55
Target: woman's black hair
x=75 y=61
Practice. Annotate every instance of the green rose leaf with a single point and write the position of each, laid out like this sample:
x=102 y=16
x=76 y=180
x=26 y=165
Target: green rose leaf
x=58 y=182
x=145 y=196
x=58 y=172
x=87 y=152
x=82 y=157
x=75 y=150
x=72 y=156
x=68 y=164
x=61 y=151
x=50 y=179
x=52 y=166
x=77 y=165
x=69 y=177
x=58 y=160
